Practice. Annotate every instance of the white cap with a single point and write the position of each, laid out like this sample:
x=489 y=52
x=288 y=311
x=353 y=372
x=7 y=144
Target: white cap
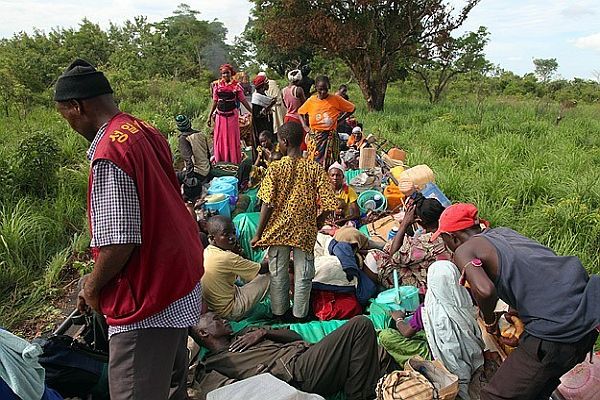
x=356 y=129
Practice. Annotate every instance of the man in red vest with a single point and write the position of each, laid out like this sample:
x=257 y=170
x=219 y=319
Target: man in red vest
x=146 y=247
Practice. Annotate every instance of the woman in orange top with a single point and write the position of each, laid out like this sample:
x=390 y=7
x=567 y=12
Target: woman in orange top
x=324 y=110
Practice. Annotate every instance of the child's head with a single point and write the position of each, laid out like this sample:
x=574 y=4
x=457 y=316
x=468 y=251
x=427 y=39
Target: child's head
x=265 y=139
x=275 y=156
x=290 y=135
x=221 y=232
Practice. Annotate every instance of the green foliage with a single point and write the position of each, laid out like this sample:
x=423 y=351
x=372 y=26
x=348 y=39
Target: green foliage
x=368 y=35
x=180 y=47
x=545 y=68
x=437 y=63
x=36 y=163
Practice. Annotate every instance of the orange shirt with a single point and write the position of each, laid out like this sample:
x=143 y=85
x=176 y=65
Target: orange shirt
x=323 y=114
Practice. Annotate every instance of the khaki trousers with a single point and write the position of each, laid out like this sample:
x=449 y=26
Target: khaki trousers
x=249 y=295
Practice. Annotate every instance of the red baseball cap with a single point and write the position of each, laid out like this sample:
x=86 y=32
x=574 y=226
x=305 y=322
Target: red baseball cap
x=456 y=218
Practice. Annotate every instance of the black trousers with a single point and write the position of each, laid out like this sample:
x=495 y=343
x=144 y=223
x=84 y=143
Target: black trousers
x=348 y=359
x=533 y=370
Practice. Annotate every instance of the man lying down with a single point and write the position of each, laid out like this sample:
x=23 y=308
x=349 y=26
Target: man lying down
x=347 y=360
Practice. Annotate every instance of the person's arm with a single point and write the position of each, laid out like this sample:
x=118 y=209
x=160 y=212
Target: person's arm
x=265 y=215
x=346 y=107
x=211 y=113
x=246 y=104
x=300 y=94
x=245 y=341
x=116 y=226
x=409 y=217
x=404 y=328
x=110 y=261
x=329 y=202
x=266 y=194
x=185 y=149
x=353 y=214
x=482 y=287
x=244 y=268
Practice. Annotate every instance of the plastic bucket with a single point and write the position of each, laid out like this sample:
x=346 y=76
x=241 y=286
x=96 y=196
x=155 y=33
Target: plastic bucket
x=231 y=180
x=221 y=207
x=375 y=199
x=351 y=174
x=432 y=191
x=226 y=189
x=408 y=295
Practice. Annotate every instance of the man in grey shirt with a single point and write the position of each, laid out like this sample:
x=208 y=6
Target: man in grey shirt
x=557 y=300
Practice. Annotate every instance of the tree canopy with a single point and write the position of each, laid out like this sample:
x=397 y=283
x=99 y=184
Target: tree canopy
x=368 y=35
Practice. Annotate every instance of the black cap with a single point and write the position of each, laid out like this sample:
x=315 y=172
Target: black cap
x=81 y=81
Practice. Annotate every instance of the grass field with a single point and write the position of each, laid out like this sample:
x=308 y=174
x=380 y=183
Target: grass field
x=505 y=155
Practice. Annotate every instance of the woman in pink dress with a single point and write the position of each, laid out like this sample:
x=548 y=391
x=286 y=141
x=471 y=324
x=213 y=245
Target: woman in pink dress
x=227 y=94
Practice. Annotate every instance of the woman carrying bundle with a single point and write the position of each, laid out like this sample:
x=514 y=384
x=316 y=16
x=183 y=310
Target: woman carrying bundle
x=324 y=110
x=226 y=93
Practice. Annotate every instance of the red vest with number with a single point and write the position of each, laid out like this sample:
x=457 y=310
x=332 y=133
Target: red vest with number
x=168 y=264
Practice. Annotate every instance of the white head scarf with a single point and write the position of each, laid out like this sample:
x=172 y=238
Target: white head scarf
x=295 y=75
x=337 y=165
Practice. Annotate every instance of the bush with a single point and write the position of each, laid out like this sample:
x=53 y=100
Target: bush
x=36 y=162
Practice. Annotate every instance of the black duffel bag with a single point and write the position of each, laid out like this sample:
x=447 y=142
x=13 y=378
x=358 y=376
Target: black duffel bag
x=74 y=367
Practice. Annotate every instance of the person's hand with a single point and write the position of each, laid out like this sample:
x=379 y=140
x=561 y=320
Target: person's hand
x=248 y=340
x=254 y=241
x=209 y=122
x=398 y=315
x=409 y=216
x=267 y=154
x=492 y=328
x=82 y=305
x=88 y=301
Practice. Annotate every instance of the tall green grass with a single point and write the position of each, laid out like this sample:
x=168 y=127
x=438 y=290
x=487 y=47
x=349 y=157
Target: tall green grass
x=520 y=168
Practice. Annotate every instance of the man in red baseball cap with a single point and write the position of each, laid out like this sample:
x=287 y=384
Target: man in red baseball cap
x=554 y=296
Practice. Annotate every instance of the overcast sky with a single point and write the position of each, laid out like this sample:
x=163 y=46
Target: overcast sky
x=520 y=29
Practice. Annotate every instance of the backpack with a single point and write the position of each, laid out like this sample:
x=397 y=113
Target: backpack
x=404 y=385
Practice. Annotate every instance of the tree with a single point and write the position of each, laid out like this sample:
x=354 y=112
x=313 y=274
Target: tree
x=368 y=35
x=280 y=59
x=437 y=63
x=545 y=68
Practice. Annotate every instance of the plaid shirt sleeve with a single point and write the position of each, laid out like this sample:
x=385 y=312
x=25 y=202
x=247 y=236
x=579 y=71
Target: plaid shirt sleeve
x=114 y=206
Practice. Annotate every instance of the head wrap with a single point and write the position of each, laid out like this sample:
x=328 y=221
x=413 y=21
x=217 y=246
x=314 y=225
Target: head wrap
x=356 y=129
x=81 y=81
x=259 y=80
x=227 y=67
x=183 y=123
x=295 y=76
x=262 y=73
x=337 y=165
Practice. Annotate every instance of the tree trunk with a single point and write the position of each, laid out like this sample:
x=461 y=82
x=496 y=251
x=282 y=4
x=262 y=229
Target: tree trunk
x=373 y=89
x=373 y=85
